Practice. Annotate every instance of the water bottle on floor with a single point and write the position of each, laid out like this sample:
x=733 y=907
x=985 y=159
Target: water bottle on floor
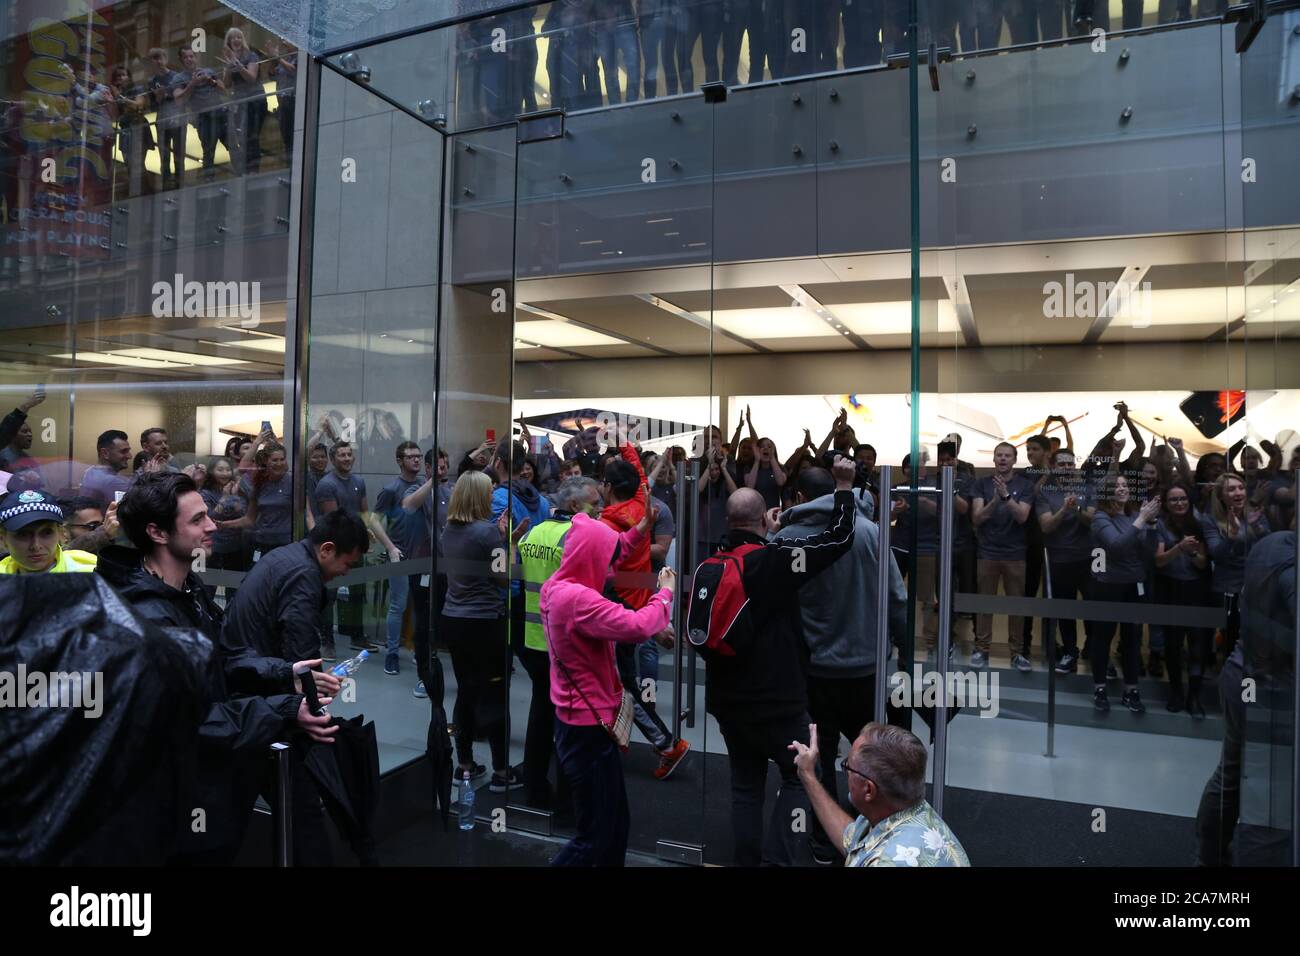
x=350 y=666
x=465 y=806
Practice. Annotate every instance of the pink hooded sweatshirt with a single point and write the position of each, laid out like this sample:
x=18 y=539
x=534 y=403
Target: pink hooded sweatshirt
x=582 y=626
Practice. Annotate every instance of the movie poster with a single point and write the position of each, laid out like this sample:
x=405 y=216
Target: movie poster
x=56 y=137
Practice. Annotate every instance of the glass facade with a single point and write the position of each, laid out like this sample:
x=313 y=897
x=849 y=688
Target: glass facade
x=569 y=223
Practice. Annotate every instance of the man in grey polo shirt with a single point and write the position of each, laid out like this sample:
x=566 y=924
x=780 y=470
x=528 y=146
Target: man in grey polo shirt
x=1001 y=503
x=1064 y=509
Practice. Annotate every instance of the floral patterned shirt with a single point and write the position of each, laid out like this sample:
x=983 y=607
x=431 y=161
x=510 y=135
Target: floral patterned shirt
x=912 y=837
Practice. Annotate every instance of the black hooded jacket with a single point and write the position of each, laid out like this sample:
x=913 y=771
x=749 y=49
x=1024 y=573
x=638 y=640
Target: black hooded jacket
x=235 y=736
x=274 y=620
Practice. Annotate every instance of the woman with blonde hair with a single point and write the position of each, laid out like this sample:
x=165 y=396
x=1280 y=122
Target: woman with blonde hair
x=1230 y=531
x=473 y=627
x=243 y=77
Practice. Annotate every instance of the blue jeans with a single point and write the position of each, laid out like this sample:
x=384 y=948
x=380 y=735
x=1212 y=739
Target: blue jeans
x=399 y=586
x=592 y=765
x=615 y=39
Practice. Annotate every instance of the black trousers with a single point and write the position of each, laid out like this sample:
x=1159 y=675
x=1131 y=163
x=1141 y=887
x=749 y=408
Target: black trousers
x=1034 y=581
x=1216 y=817
x=1070 y=580
x=594 y=768
x=1101 y=633
x=750 y=745
x=839 y=706
x=479 y=655
x=1198 y=642
x=539 y=739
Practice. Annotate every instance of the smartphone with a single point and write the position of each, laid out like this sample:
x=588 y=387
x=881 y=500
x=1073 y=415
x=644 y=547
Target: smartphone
x=118 y=496
x=266 y=425
x=491 y=434
x=1213 y=412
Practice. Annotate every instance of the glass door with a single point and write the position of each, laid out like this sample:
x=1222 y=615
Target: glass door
x=613 y=347
x=1075 y=218
x=1251 y=801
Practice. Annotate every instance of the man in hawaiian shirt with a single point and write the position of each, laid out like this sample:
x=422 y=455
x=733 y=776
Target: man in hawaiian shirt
x=897 y=827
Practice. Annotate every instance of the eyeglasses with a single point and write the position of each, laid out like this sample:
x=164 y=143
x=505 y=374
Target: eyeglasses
x=846 y=766
x=89 y=525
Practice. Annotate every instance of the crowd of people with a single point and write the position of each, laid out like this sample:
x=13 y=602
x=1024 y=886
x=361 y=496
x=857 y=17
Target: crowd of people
x=602 y=52
x=149 y=103
x=563 y=559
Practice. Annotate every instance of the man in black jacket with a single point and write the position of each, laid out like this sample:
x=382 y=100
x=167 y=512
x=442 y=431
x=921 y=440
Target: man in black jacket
x=275 y=615
x=758 y=695
x=167 y=521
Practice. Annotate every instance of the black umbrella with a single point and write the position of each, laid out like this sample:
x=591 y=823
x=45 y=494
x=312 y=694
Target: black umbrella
x=438 y=744
x=347 y=776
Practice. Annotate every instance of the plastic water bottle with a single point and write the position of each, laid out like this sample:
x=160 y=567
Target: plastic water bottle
x=465 y=806
x=350 y=666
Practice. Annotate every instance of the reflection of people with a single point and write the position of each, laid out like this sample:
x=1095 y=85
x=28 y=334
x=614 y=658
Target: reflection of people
x=170 y=119
x=617 y=37
x=11 y=429
x=201 y=92
x=134 y=137
x=896 y=826
x=242 y=68
x=284 y=70
x=1266 y=655
x=105 y=480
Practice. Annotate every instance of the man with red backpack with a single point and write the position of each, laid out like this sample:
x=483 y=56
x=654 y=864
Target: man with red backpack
x=744 y=620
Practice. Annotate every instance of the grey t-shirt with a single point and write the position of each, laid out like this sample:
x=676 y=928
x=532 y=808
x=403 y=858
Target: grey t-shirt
x=1127 y=548
x=664 y=525
x=1072 y=539
x=347 y=493
x=273 y=525
x=1181 y=567
x=1001 y=537
x=468 y=551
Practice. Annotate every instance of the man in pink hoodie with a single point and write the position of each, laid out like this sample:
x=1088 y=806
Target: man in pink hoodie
x=582 y=627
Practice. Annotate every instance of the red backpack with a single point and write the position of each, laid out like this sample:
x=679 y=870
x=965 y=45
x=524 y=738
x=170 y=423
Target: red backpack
x=717 y=600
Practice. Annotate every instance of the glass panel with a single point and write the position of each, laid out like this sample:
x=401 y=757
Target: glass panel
x=152 y=303
x=369 y=407
x=473 y=627
x=612 y=341
x=1074 y=216
x=1259 y=737
x=582 y=56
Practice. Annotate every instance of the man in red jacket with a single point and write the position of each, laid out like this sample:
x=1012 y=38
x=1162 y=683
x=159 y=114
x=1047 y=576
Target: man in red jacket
x=626 y=497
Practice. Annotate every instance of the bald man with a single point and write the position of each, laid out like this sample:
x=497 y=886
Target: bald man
x=755 y=678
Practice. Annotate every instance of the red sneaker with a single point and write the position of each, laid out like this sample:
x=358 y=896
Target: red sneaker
x=669 y=759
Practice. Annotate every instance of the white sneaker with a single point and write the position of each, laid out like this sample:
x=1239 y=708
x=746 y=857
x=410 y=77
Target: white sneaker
x=978 y=658
x=1021 y=663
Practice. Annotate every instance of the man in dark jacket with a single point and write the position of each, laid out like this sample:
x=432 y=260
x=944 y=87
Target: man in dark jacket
x=758 y=695
x=274 y=617
x=166 y=520
x=1254 y=832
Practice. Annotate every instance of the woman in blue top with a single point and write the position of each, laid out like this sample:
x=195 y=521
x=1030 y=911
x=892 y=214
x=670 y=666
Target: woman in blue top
x=1230 y=531
x=1126 y=540
x=1182 y=579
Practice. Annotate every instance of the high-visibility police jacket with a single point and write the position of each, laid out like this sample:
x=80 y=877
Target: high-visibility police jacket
x=65 y=562
x=540 y=553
